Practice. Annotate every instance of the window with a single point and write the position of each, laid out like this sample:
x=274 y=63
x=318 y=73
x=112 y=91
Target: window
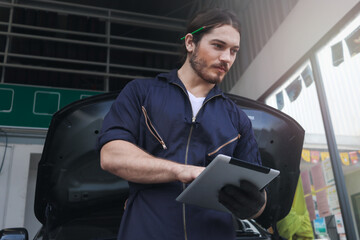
x=297 y=97
x=339 y=61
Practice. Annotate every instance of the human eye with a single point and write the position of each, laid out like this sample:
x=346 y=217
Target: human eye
x=217 y=45
x=234 y=51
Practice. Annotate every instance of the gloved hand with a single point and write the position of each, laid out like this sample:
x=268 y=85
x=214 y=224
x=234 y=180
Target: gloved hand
x=244 y=201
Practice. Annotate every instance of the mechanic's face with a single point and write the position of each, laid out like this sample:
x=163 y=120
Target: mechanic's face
x=215 y=53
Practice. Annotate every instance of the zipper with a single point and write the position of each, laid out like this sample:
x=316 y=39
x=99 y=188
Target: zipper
x=193 y=120
x=186 y=160
x=227 y=143
x=152 y=128
x=194 y=117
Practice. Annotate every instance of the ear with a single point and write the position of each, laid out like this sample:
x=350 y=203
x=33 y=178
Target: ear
x=189 y=43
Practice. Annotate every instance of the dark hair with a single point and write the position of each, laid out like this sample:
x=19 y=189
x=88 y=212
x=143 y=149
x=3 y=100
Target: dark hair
x=210 y=18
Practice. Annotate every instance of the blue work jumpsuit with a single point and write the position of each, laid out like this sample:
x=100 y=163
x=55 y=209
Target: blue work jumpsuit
x=156 y=115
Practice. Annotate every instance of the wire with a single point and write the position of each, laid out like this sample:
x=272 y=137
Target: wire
x=6 y=144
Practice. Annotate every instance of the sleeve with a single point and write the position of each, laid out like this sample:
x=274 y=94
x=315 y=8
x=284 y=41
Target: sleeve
x=247 y=147
x=122 y=120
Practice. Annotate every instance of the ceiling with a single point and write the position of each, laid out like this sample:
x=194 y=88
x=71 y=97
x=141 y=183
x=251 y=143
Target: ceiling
x=181 y=9
x=177 y=9
x=144 y=36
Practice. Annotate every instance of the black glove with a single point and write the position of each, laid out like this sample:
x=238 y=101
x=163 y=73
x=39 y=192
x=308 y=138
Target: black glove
x=244 y=201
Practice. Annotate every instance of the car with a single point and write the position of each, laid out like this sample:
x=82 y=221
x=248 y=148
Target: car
x=76 y=199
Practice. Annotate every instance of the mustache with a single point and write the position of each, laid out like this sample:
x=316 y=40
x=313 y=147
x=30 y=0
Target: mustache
x=221 y=65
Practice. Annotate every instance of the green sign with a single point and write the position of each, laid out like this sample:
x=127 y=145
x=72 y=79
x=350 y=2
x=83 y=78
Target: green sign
x=29 y=106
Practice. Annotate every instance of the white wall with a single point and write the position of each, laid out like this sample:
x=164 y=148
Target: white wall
x=30 y=222
x=16 y=173
x=4 y=180
x=306 y=24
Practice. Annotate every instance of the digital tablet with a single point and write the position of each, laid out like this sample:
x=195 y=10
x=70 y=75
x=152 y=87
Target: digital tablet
x=203 y=191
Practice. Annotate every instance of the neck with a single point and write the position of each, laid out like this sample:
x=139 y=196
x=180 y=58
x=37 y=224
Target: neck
x=193 y=83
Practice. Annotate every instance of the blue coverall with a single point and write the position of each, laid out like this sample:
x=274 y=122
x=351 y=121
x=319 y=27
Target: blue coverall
x=156 y=115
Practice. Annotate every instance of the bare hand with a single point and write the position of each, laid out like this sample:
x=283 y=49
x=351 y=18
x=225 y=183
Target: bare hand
x=187 y=173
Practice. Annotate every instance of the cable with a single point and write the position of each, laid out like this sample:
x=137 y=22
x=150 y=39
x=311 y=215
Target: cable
x=6 y=144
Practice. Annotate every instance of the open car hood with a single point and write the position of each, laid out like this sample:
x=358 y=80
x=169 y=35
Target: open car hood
x=71 y=183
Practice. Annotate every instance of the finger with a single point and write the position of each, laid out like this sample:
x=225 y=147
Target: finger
x=237 y=202
x=248 y=186
x=239 y=210
x=230 y=203
x=236 y=196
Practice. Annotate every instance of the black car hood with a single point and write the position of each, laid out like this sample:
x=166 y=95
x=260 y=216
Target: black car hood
x=71 y=183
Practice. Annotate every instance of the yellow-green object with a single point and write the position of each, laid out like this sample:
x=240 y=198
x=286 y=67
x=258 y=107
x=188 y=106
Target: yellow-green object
x=296 y=225
x=199 y=29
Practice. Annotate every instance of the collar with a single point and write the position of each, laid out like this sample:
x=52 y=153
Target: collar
x=173 y=78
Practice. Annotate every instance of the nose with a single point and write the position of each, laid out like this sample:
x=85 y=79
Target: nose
x=225 y=56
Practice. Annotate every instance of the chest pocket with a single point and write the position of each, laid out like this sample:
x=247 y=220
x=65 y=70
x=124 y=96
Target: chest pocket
x=155 y=134
x=219 y=148
x=226 y=148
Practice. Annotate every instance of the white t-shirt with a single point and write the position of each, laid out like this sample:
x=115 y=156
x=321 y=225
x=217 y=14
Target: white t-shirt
x=196 y=103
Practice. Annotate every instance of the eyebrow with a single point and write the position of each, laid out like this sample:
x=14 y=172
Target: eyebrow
x=221 y=41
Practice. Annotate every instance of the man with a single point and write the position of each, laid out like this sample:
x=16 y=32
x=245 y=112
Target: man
x=160 y=134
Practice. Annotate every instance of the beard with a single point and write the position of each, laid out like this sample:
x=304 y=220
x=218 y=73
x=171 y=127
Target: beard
x=201 y=69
